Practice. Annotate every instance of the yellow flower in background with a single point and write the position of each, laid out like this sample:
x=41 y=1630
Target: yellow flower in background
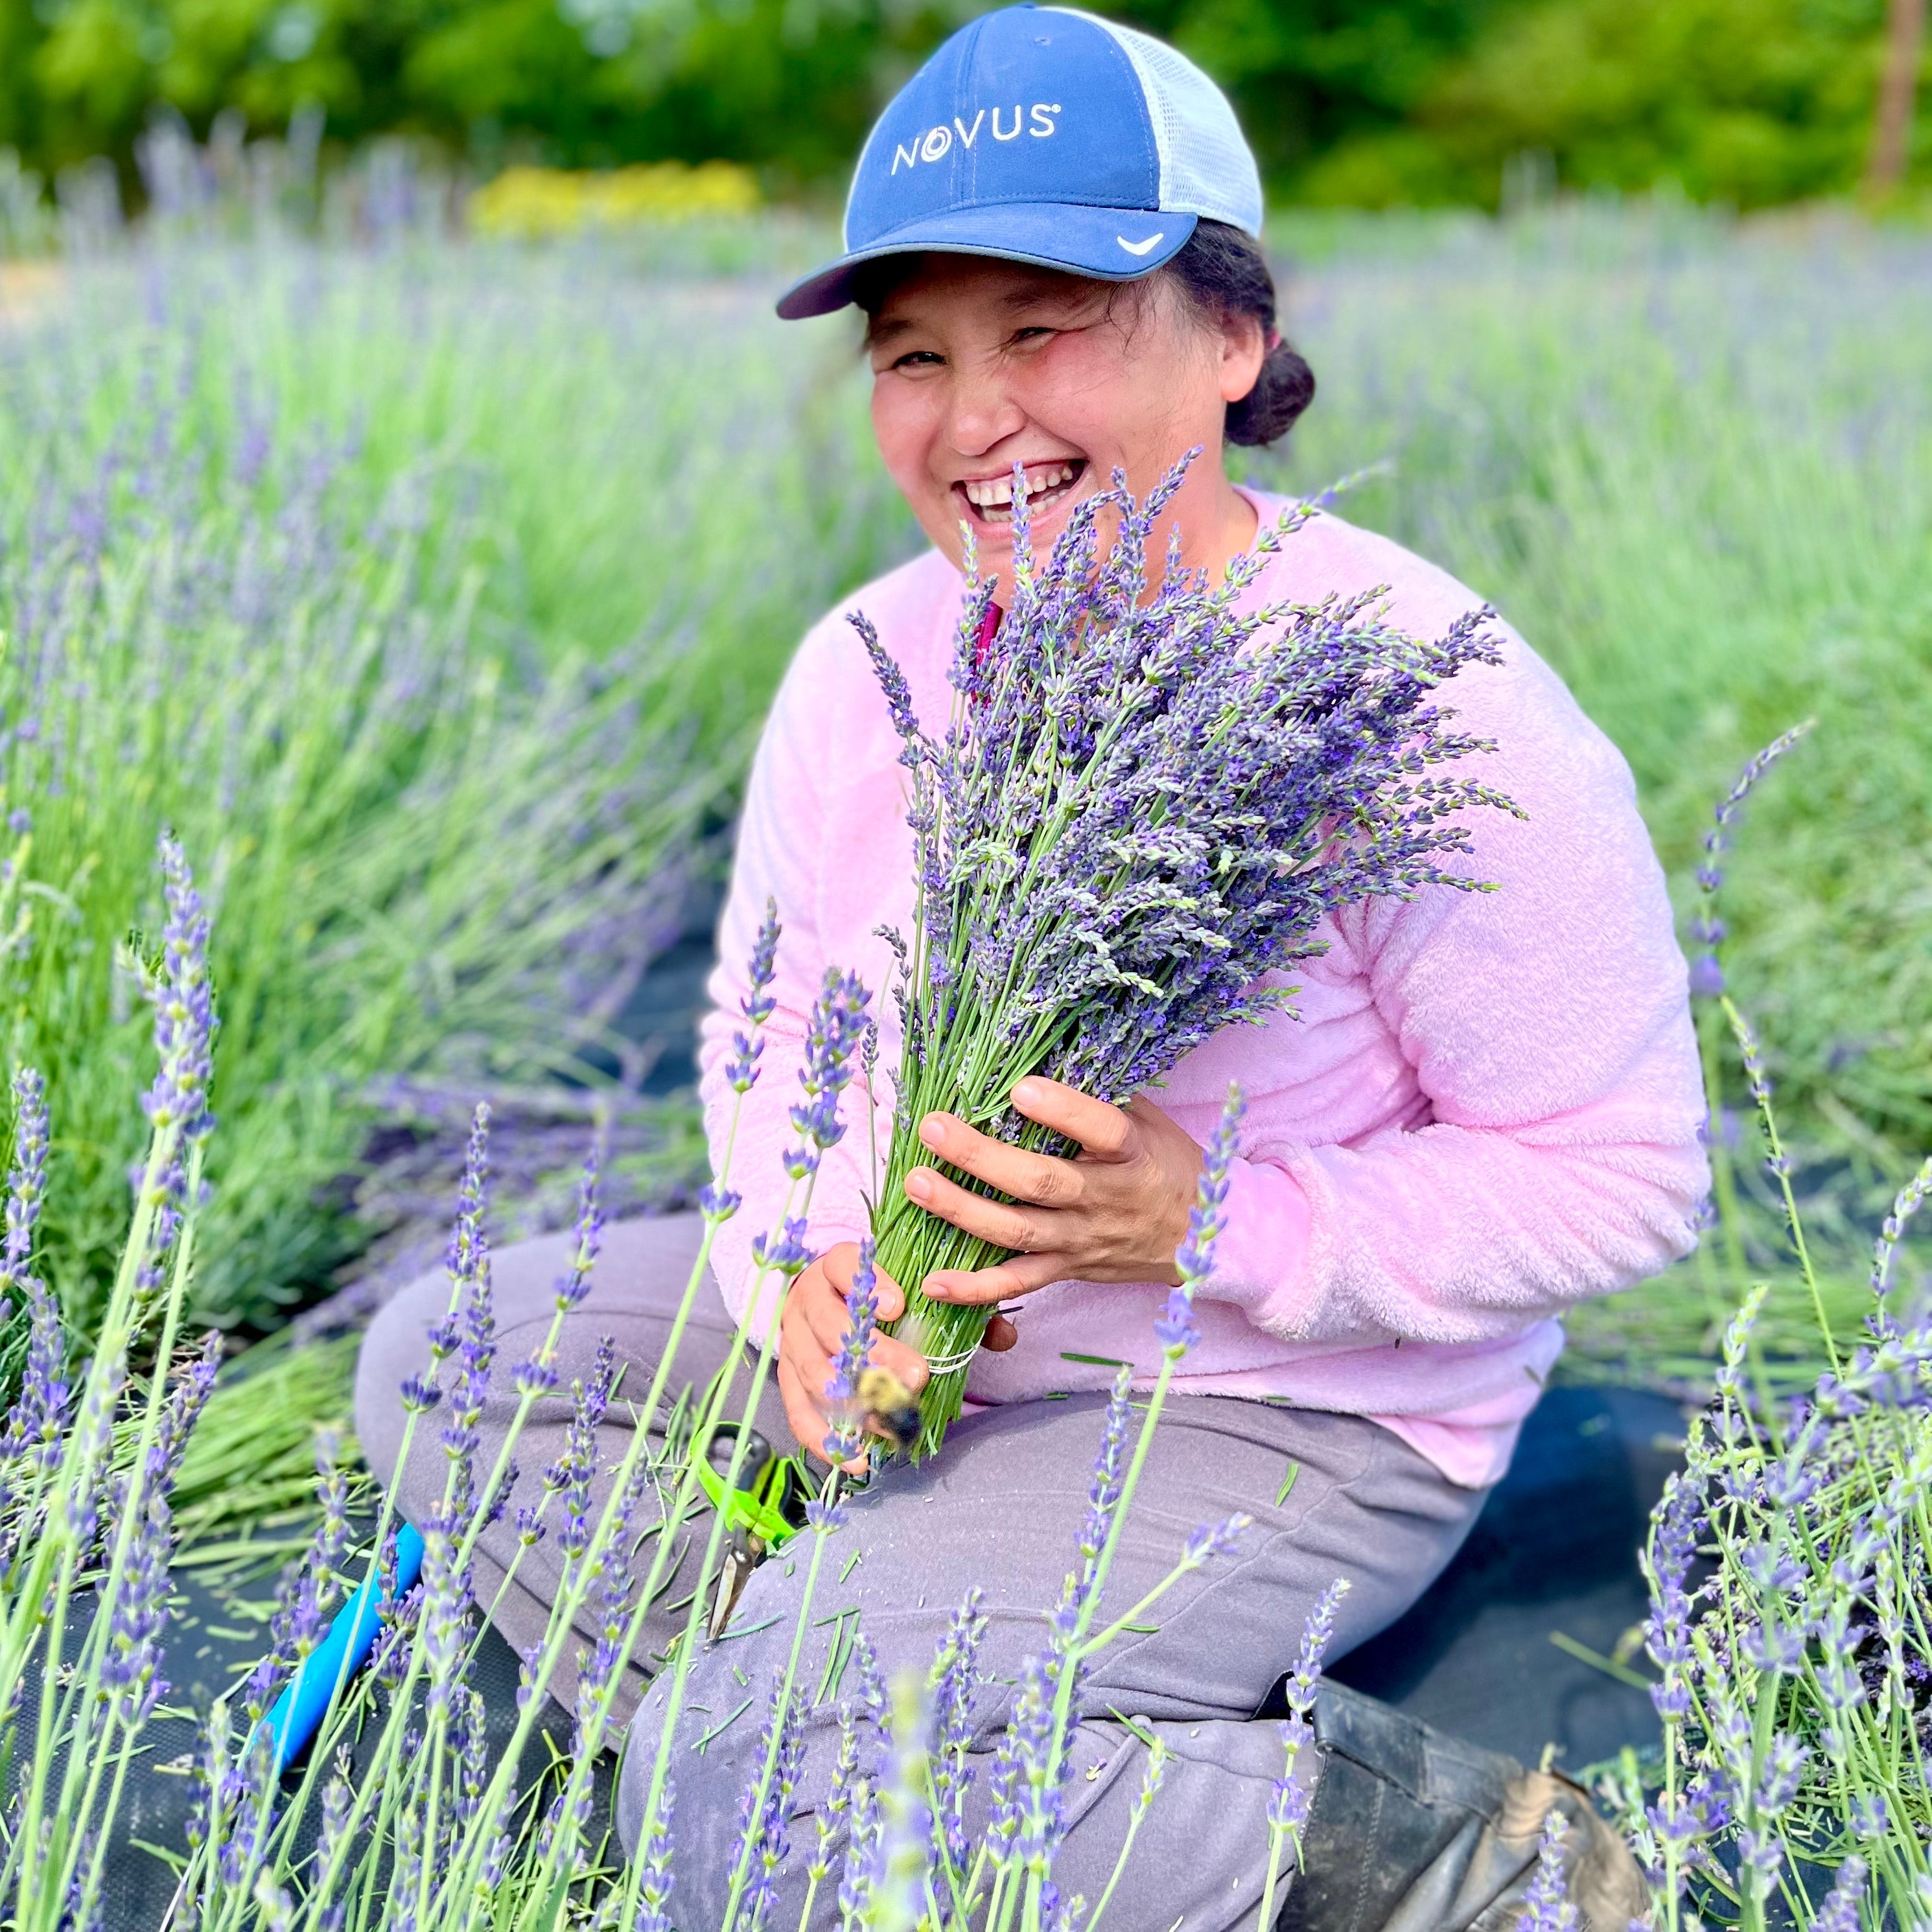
x=530 y=203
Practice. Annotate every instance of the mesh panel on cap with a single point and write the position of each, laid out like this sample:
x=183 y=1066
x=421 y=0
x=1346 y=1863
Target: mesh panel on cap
x=1205 y=166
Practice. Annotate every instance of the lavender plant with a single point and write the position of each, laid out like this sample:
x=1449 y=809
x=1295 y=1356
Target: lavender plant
x=1790 y=1570
x=403 y=1815
x=73 y=1705
x=1146 y=800
x=432 y=856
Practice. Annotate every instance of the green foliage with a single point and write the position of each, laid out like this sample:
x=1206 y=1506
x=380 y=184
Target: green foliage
x=1306 y=75
x=778 y=82
x=1750 y=102
x=1385 y=101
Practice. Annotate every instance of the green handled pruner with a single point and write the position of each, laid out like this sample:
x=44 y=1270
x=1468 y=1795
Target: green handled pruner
x=763 y=1512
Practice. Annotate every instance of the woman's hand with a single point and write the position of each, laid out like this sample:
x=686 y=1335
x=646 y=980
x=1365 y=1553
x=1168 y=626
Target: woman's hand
x=813 y=1330
x=1117 y=1212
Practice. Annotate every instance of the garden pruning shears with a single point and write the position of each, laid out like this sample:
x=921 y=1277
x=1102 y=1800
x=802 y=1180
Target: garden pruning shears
x=297 y=1714
x=760 y=1514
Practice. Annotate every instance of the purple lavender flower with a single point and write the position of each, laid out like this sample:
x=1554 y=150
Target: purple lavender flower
x=1840 y=1911
x=838 y=1796
x=787 y=1253
x=27 y=1183
x=859 y=1877
x=765 y=1808
x=588 y=1236
x=758 y=1005
x=612 y=1598
x=1784 y=1771
x=572 y=1472
x=1316 y=1635
x=1707 y=972
x=1870 y=1817
x=194 y=1383
x=653 y=1913
x=1288 y=1799
x=1103 y=1491
x=861 y=1314
x=717 y=1204
x=1546 y=1906
x=419 y=1394
x=35 y=1421
x=184 y=1005
x=1679 y=1520
x=838 y=1024
x=1911 y=1197
x=139 y=1616
x=1213 y=1540
x=1176 y=1327
x=538 y=1376
x=905 y=1838
x=953 y=1687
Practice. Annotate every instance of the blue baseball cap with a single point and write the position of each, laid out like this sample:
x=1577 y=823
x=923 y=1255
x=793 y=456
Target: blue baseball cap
x=1046 y=135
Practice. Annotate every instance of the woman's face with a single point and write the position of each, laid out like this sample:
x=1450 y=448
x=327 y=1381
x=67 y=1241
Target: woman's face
x=978 y=365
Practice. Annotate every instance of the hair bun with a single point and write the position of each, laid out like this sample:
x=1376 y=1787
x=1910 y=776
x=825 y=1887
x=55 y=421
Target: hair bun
x=1283 y=389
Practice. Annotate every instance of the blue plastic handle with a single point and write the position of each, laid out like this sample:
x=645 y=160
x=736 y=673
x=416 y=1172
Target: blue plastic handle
x=297 y=1713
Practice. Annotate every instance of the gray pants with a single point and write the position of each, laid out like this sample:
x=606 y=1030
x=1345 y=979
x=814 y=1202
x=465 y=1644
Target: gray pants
x=1001 y=1507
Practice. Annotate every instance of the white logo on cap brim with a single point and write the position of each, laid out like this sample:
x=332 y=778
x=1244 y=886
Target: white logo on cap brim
x=1140 y=247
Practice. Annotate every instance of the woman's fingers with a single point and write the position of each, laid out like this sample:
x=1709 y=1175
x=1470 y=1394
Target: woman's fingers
x=804 y=1410
x=840 y=1263
x=998 y=1221
x=1105 y=1131
x=900 y=1359
x=1038 y=1178
x=817 y=1311
x=1018 y=1274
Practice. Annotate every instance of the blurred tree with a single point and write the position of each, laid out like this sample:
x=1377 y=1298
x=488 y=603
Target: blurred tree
x=1745 y=101
x=1307 y=74
x=1367 y=101
x=1898 y=88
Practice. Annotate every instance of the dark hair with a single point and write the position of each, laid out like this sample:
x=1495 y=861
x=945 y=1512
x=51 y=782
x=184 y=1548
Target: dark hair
x=1223 y=274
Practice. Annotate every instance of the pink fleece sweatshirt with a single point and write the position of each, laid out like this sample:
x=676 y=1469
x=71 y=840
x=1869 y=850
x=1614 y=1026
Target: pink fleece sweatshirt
x=1487 y=1109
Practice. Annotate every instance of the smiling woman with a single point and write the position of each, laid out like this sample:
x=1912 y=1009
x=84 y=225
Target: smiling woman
x=984 y=370
x=1484 y=1107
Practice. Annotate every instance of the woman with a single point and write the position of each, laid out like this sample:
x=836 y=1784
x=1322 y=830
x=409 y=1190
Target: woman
x=1487 y=1109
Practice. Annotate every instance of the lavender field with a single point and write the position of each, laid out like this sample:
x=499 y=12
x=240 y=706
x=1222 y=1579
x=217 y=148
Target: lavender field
x=429 y=593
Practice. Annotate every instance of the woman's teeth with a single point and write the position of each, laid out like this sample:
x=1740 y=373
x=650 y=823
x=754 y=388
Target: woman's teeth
x=992 y=496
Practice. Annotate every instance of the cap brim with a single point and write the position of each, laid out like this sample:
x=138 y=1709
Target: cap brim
x=1115 y=244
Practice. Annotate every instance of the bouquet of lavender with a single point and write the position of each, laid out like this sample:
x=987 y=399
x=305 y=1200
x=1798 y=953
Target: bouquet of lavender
x=1145 y=802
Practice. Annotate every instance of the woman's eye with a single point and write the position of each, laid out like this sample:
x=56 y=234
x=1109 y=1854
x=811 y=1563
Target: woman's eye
x=917 y=358
x=1034 y=333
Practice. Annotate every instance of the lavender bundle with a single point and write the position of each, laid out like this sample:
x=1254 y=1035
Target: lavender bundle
x=1144 y=802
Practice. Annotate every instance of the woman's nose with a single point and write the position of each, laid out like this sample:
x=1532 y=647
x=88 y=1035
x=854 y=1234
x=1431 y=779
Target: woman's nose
x=981 y=413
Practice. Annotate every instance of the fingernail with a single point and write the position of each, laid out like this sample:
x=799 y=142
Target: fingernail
x=919 y=1184
x=1023 y=1091
x=931 y=1131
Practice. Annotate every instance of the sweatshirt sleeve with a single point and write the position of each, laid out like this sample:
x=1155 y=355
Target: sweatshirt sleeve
x=781 y=838
x=1547 y=1022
